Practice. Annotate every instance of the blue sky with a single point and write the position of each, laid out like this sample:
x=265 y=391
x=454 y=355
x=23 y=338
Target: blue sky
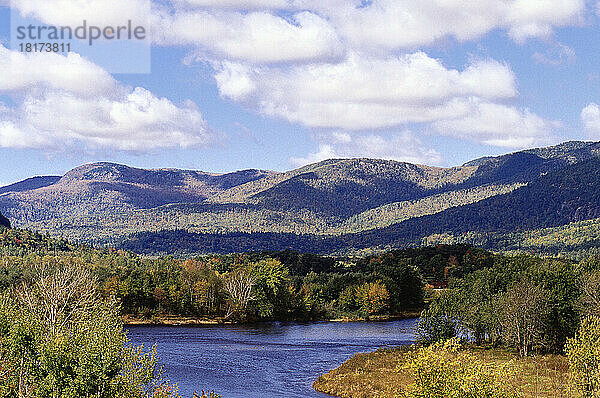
x=250 y=91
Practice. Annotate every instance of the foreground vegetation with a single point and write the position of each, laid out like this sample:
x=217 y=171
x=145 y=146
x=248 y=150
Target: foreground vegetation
x=392 y=373
x=452 y=369
x=60 y=339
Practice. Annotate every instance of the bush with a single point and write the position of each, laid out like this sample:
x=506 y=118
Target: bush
x=59 y=339
x=442 y=370
x=583 y=352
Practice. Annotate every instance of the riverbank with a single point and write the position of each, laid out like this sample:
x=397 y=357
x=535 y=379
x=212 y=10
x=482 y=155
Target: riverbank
x=379 y=375
x=129 y=320
x=170 y=320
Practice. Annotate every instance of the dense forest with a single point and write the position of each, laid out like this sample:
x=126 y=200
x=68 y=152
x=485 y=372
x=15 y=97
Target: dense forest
x=4 y=221
x=282 y=285
x=554 y=200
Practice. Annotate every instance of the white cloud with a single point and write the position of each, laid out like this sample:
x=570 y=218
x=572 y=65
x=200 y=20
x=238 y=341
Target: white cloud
x=324 y=152
x=590 y=116
x=40 y=71
x=329 y=64
x=557 y=55
x=258 y=30
x=392 y=24
x=404 y=147
x=499 y=125
x=365 y=93
x=68 y=101
x=237 y=4
x=73 y=12
x=255 y=31
x=255 y=37
x=409 y=79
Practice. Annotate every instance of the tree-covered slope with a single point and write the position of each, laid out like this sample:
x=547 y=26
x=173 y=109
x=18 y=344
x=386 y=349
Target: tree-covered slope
x=30 y=184
x=558 y=198
x=331 y=206
x=106 y=189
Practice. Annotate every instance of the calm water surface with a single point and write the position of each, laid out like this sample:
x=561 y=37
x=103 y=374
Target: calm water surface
x=266 y=360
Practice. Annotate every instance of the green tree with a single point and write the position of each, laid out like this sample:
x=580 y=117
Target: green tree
x=439 y=321
x=524 y=309
x=59 y=339
x=583 y=352
x=270 y=288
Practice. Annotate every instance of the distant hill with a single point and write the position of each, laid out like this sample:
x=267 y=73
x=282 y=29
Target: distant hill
x=30 y=184
x=338 y=205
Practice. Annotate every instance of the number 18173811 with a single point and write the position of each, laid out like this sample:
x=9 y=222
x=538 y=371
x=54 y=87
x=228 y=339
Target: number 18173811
x=45 y=47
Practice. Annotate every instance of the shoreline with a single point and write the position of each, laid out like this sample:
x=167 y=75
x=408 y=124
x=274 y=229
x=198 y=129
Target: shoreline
x=129 y=320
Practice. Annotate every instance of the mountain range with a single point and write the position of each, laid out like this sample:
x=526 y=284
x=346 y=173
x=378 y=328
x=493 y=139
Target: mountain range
x=519 y=200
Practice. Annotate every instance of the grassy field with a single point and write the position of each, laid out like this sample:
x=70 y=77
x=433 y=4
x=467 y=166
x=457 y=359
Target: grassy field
x=376 y=375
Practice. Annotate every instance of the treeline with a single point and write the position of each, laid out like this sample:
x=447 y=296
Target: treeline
x=530 y=304
x=282 y=285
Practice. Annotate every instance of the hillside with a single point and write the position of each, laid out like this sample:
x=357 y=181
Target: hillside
x=30 y=184
x=337 y=205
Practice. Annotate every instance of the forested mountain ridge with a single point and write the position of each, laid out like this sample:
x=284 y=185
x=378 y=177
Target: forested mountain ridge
x=331 y=206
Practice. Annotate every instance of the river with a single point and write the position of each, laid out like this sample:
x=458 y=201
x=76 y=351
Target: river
x=265 y=360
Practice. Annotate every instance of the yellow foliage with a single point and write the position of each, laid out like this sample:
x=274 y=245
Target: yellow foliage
x=443 y=370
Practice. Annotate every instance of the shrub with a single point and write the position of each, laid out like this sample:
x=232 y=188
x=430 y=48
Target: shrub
x=442 y=370
x=438 y=322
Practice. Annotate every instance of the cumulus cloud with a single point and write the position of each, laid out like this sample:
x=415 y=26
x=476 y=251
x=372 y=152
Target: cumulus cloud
x=392 y=24
x=317 y=28
x=365 y=93
x=590 y=116
x=255 y=37
x=74 y=102
x=404 y=147
x=98 y=12
x=40 y=71
x=499 y=125
x=237 y=4
x=338 y=64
